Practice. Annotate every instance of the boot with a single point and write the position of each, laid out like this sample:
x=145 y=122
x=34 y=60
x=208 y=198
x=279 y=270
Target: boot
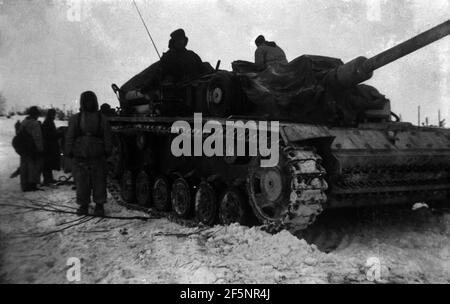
x=30 y=187
x=99 y=210
x=83 y=210
x=48 y=178
x=25 y=187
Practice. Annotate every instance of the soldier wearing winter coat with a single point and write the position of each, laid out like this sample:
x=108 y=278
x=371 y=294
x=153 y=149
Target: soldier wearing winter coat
x=31 y=164
x=179 y=63
x=88 y=143
x=51 y=147
x=268 y=53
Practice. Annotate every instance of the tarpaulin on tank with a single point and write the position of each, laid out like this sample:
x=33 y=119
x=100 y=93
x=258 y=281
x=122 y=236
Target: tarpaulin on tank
x=150 y=77
x=306 y=89
x=147 y=78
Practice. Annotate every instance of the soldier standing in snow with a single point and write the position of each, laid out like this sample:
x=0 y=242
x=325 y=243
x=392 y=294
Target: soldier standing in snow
x=51 y=147
x=17 y=172
x=31 y=162
x=88 y=143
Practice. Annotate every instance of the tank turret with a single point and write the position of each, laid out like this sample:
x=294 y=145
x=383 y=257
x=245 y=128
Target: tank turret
x=310 y=88
x=361 y=69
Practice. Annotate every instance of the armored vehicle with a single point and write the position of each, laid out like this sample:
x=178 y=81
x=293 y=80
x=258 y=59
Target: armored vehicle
x=339 y=143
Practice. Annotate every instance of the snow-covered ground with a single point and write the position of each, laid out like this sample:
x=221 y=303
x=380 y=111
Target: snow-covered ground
x=411 y=248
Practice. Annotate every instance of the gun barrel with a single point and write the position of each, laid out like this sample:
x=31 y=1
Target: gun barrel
x=409 y=46
x=361 y=69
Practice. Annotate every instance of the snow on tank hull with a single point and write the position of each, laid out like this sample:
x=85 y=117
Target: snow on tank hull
x=319 y=168
x=381 y=163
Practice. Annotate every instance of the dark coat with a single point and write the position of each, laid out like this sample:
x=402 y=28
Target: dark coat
x=51 y=146
x=30 y=167
x=181 y=64
x=267 y=54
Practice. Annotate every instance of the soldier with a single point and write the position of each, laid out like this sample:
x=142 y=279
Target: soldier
x=88 y=143
x=106 y=110
x=51 y=147
x=31 y=162
x=179 y=63
x=268 y=53
x=17 y=172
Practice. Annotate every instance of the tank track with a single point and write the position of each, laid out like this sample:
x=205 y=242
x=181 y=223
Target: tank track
x=307 y=193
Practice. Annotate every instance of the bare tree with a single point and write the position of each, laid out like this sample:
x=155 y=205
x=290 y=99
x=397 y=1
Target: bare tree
x=2 y=104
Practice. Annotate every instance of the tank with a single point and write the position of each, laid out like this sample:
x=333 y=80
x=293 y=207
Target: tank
x=339 y=144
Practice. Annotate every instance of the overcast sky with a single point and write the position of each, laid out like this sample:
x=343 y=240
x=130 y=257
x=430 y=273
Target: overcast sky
x=51 y=51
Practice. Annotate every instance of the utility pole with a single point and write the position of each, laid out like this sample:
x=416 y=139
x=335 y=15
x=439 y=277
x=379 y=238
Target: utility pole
x=418 y=116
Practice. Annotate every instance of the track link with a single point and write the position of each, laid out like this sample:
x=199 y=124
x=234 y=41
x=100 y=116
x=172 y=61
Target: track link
x=307 y=191
x=308 y=188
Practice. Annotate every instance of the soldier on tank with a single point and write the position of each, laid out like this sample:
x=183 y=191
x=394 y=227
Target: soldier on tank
x=88 y=143
x=268 y=53
x=178 y=63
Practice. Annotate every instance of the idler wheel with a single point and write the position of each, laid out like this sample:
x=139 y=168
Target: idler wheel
x=127 y=187
x=206 y=204
x=232 y=207
x=181 y=196
x=144 y=189
x=161 y=194
x=116 y=160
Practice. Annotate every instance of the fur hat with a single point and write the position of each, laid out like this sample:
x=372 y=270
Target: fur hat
x=88 y=102
x=179 y=33
x=34 y=111
x=260 y=39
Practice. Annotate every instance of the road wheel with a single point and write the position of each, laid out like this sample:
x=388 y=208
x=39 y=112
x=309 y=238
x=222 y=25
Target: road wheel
x=291 y=194
x=269 y=190
x=144 y=189
x=221 y=95
x=141 y=141
x=181 y=196
x=161 y=194
x=233 y=207
x=127 y=187
x=206 y=206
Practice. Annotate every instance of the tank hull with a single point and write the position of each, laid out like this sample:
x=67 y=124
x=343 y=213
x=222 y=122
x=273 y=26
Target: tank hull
x=372 y=164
